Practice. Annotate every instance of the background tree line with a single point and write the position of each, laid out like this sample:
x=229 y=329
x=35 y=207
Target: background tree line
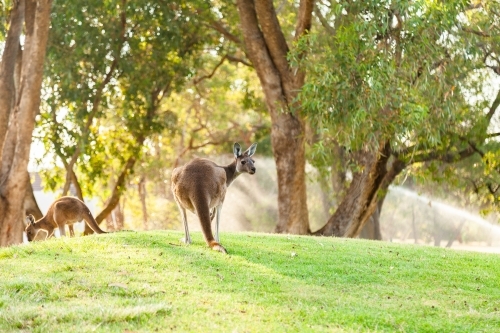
x=369 y=93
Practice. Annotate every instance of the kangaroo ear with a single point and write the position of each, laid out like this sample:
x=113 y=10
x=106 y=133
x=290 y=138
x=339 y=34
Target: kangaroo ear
x=237 y=150
x=250 y=151
x=29 y=220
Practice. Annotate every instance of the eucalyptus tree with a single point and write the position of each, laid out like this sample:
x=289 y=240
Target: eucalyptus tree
x=27 y=25
x=388 y=85
x=267 y=41
x=110 y=66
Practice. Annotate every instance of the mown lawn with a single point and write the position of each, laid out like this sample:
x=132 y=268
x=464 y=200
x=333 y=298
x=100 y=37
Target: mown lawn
x=149 y=282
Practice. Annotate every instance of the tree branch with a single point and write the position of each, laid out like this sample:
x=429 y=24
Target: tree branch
x=119 y=187
x=226 y=57
x=273 y=36
x=256 y=47
x=223 y=30
x=446 y=156
x=493 y=107
x=304 y=18
x=476 y=32
x=420 y=69
x=482 y=154
x=236 y=59
x=443 y=155
x=209 y=76
x=117 y=190
x=329 y=29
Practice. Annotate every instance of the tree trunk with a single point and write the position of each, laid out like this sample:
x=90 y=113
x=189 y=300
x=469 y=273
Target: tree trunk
x=30 y=204
x=110 y=223
x=365 y=194
x=437 y=233
x=396 y=166
x=338 y=174
x=7 y=69
x=289 y=155
x=142 y=194
x=71 y=178
x=455 y=235
x=119 y=215
x=361 y=197
x=371 y=230
x=267 y=49
x=22 y=117
x=115 y=220
x=413 y=224
x=118 y=189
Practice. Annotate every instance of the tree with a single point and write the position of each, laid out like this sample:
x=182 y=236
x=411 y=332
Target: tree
x=397 y=94
x=129 y=57
x=267 y=48
x=20 y=82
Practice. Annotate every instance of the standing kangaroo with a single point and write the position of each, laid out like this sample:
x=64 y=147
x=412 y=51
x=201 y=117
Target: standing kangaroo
x=200 y=186
x=65 y=210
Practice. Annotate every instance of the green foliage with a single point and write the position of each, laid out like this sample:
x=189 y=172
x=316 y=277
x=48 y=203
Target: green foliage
x=5 y=8
x=276 y=283
x=390 y=71
x=109 y=67
x=474 y=182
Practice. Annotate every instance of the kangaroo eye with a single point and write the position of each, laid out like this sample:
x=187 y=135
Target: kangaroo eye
x=243 y=162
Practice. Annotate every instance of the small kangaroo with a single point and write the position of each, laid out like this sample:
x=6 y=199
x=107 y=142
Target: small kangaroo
x=201 y=185
x=65 y=210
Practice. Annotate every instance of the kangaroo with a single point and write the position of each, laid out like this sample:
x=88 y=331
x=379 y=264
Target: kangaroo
x=200 y=186
x=65 y=210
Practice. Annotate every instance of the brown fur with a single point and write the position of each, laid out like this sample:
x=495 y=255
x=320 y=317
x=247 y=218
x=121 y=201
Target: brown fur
x=200 y=186
x=63 y=211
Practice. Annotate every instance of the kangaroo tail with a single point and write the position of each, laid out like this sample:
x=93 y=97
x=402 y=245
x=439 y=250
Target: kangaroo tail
x=203 y=212
x=92 y=223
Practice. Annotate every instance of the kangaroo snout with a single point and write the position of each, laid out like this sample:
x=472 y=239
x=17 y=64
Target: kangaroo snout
x=252 y=170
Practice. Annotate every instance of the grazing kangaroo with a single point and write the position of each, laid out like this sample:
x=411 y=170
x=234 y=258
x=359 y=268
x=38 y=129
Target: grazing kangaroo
x=200 y=186
x=65 y=210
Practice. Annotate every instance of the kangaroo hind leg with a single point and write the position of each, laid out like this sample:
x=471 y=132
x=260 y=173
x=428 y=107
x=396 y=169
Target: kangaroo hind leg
x=60 y=220
x=187 y=238
x=71 y=230
x=62 y=230
x=217 y=220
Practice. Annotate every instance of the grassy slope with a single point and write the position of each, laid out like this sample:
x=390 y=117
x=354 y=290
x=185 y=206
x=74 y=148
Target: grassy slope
x=144 y=282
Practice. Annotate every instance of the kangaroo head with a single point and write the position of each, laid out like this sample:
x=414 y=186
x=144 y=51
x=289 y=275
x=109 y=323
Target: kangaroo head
x=32 y=232
x=244 y=162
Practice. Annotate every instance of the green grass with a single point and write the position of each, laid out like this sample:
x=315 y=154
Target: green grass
x=147 y=282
